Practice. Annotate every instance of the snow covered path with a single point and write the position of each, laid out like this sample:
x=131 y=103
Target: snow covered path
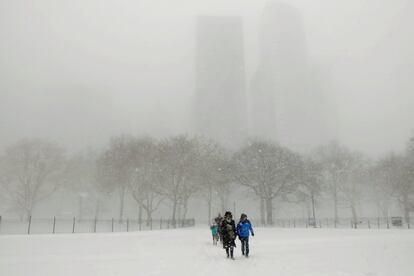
x=284 y=252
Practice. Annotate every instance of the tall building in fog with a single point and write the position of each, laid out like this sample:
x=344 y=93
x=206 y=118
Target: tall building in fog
x=262 y=105
x=220 y=100
x=283 y=104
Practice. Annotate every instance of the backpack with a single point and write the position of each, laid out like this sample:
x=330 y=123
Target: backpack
x=230 y=231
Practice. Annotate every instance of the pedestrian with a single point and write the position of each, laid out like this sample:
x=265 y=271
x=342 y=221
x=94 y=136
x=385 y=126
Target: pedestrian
x=214 y=232
x=219 y=220
x=229 y=234
x=244 y=228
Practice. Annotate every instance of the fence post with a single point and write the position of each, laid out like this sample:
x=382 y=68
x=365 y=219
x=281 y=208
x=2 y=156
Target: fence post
x=369 y=225
x=140 y=223
x=294 y=223
x=28 y=227
x=112 y=224
x=127 y=224
x=320 y=224
x=73 y=226
x=168 y=224
x=54 y=224
x=388 y=224
x=378 y=222
x=160 y=223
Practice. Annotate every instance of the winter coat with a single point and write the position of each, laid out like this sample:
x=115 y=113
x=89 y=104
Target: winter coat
x=214 y=230
x=244 y=228
x=228 y=233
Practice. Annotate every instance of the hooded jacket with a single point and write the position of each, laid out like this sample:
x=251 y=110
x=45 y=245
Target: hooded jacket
x=244 y=228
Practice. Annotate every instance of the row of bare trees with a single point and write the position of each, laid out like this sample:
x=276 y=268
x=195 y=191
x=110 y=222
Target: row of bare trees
x=179 y=168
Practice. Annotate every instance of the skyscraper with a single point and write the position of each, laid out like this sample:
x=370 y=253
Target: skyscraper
x=220 y=100
x=284 y=103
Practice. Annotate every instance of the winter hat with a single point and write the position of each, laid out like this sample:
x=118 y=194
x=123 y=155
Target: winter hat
x=228 y=214
x=243 y=216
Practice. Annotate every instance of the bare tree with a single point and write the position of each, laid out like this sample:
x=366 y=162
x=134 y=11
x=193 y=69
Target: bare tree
x=213 y=173
x=115 y=172
x=384 y=176
x=405 y=185
x=145 y=185
x=353 y=189
x=32 y=170
x=178 y=157
x=394 y=179
x=310 y=184
x=81 y=179
x=269 y=170
x=336 y=162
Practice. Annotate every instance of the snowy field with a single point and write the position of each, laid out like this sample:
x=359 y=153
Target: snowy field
x=284 y=252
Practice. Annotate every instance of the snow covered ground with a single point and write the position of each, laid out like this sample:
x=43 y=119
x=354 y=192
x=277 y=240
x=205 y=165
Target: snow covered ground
x=285 y=252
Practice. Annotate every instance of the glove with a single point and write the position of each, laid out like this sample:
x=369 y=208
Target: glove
x=252 y=234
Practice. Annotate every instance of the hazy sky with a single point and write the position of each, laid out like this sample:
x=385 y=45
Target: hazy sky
x=79 y=71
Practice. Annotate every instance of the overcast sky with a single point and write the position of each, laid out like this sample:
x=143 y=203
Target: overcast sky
x=80 y=71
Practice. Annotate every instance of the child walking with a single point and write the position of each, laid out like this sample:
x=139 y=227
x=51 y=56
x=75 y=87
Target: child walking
x=214 y=233
x=244 y=228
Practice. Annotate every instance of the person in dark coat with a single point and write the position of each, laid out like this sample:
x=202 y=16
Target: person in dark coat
x=244 y=228
x=229 y=234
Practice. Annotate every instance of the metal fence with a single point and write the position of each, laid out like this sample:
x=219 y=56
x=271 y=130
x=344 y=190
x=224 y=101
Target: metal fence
x=73 y=225
x=363 y=223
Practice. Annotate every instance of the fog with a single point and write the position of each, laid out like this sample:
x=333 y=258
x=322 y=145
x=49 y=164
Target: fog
x=78 y=72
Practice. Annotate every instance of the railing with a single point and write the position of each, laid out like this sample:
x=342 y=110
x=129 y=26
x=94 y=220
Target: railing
x=73 y=225
x=364 y=223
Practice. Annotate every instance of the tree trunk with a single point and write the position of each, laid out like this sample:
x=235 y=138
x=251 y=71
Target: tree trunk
x=149 y=216
x=148 y=211
x=209 y=211
x=174 y=210
x=406 y=209
x=209 y=201
x=140 y=215
x=335 y=195
x=354 y=215
x=80 y=209
x=122 y=201
x=185 y=209
x=28 y=214
x=269 y=211
x=313 y=210
x=262 y=212
x=179 y=205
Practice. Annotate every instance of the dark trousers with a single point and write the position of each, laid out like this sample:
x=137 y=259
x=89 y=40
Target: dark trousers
x=229 y=251
x=245 y=245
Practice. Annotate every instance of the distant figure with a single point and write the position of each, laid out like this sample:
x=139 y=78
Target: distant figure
x=214 y=232
x=229 y=234
x=218 y=220
x=244 y=228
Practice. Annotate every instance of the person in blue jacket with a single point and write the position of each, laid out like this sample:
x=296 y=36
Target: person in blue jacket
x=244 y=228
